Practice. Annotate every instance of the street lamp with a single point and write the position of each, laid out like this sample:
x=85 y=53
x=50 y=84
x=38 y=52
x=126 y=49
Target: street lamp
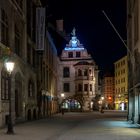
x=9 y=65
x=102 y=98
x=62 y=95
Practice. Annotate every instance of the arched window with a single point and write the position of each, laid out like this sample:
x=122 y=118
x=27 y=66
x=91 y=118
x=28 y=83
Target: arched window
x=3 y=27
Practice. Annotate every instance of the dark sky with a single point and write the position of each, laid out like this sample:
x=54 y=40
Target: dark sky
x=92 y=28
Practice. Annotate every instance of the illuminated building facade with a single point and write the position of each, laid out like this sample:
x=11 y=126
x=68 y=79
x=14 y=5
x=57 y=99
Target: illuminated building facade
x=133 y=43
x=78 y=77
x=108 y=91
x=121 y=84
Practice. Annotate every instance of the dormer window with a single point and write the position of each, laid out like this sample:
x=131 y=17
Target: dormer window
x=70 y=54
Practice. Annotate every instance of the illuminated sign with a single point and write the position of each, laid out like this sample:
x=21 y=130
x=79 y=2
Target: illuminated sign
x=73 y=49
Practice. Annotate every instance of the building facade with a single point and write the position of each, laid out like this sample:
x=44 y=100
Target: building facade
x=17 y=41
x=78 y=77
x=34 y=78
x=133 y=41
x=108 y=91
x=47 y=79
x=121 y=84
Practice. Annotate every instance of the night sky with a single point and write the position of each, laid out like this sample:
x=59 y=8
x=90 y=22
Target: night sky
x=92 y=28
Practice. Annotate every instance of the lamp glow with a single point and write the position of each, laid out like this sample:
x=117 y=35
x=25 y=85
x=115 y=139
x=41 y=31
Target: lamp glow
x=9 y=66
x=102 y=98
x=62 y=94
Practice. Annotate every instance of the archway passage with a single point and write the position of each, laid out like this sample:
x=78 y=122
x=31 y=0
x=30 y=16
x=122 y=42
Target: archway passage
x=71 y=105
x=29 y=115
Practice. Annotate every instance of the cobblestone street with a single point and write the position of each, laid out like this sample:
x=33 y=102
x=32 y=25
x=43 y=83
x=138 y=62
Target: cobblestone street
x=77 y=126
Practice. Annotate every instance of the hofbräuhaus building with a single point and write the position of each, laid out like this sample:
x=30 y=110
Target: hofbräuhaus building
x=78 y=77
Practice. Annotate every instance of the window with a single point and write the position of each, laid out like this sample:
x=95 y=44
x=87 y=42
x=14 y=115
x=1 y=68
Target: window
x=17 y=41
x=85 y=87
x=119 y=81
x=70 y=54
x=20 y=3
x=79 y=72
x=3 y=27
x=66 y=72
x=85 y=72
x=78 y=54
x=90 y=72
x=79 y=87
x=30 y=89
x=90 y=87
x=66 y=87
x=4 y=86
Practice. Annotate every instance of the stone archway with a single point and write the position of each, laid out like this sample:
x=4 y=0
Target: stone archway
x=71 y=104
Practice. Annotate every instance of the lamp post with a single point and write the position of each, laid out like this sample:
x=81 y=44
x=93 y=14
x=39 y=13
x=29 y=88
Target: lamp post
x=9 y=67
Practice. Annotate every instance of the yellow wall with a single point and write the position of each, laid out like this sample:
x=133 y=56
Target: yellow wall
x=121 y=82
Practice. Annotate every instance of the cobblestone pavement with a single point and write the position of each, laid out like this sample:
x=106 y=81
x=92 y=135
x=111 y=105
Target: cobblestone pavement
x=110 y=125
